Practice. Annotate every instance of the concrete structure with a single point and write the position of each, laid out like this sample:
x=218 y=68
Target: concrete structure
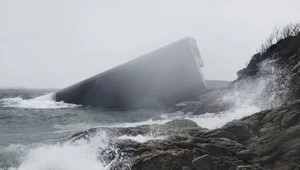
x=159 y=79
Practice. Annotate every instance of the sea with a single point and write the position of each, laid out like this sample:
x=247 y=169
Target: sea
x=35 y=129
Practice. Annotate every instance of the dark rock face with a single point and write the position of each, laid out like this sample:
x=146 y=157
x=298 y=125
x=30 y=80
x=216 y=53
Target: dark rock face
x=286 y=53
x=204 y=162
x=266 y=140
x=278 y=69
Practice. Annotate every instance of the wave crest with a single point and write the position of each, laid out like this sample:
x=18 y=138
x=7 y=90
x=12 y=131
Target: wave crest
x=42 y=102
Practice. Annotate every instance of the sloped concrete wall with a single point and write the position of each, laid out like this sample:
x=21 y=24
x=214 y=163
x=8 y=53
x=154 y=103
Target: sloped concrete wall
x=158 y=79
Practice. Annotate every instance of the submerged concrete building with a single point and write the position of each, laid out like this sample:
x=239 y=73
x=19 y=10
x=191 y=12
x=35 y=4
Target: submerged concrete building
x=159 y=79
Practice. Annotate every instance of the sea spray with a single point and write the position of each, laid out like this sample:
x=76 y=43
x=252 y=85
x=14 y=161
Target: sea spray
x=41 y=102
x=78 y=155
x=248 y=96
x=217 y=120
x=96 y=152
x=266 y=90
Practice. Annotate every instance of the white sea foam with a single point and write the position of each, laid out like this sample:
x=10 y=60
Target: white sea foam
x=41 y=102
x=80 y=155
x=134 y=124
x=164 y=118
x=212 y=120
x=84 y=126
x=248 y=97
x=72 y=127
x=208 y=120
x=141 y=138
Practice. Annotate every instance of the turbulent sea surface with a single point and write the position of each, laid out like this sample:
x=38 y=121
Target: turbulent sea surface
x=34 y=129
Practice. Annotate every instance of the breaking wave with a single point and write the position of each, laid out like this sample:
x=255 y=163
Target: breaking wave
x=213 y=120
x=84 y=154
x=267 y=90
x=79 y=155
x=208 y=120
x=246 y=98
x=41 y=102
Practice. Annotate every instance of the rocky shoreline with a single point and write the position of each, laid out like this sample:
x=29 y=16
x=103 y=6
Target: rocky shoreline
x=265 y=140
x=269 y=139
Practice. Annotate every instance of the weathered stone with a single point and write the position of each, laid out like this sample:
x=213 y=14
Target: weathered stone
x=246 y=167
x=245 y=155
x=203 y=163
x=266 y=140
x=181 y=123
x=254 y=142
x=239 y=129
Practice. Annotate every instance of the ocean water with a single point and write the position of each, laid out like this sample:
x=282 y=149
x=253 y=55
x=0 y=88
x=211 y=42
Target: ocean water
x=34 y=130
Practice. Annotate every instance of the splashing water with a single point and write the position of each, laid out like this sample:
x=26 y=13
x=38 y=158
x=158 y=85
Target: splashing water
x=80 y=155
x=266 y=91
x=213 y=120
x=41 y=102
x=247 y=97
x=141 y=138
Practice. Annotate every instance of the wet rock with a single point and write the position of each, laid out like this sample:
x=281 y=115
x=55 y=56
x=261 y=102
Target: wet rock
x=181 y=123
x=166 y=160
x=269 y=139
x=171 y=127
x=203 y=163
x=283 y=57
x=251 y=147
x=247 y=167
x=286 y=53
x=265 y=140
x=239 y=129
x=245 y=155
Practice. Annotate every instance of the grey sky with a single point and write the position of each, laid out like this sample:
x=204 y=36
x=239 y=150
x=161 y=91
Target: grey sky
x=55 y=43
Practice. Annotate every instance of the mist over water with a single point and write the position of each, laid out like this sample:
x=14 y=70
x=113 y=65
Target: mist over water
x=34 y=130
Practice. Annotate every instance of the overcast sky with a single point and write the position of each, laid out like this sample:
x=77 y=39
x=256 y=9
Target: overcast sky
x=55 y=43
